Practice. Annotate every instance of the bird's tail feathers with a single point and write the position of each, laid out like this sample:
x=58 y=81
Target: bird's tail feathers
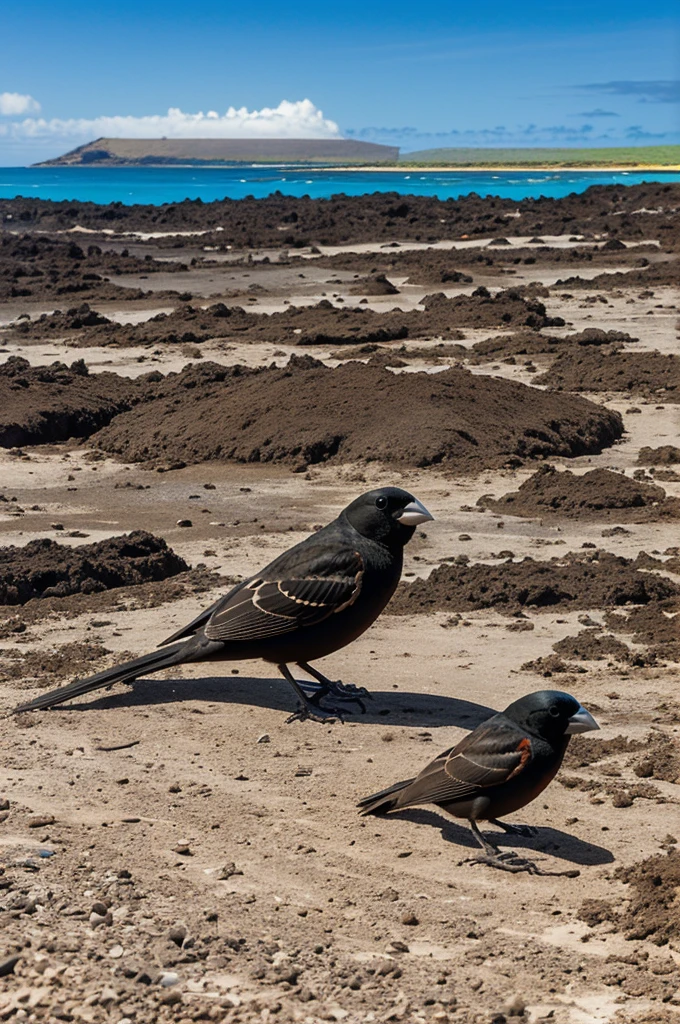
x=126 y=672
x=385 y=800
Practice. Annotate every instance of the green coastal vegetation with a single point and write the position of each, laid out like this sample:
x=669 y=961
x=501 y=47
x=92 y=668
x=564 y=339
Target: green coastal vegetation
x=615 y=156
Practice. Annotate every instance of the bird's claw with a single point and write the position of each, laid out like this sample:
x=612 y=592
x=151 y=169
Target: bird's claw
x=527 y=831
x=508 y=861
x=305 y=713
x=349 y=693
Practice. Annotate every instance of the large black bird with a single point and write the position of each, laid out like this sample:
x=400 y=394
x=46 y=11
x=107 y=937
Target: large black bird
x=499 y=767
x=307 y=603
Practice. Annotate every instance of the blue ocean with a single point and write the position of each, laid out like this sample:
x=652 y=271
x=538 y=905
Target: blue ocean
x=157 y=185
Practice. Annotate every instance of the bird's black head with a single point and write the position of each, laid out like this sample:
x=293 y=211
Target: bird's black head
x=550 y=714
x=388 y=515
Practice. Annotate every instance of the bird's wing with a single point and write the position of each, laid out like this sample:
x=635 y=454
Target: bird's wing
x=490 y=755
x=278 y=603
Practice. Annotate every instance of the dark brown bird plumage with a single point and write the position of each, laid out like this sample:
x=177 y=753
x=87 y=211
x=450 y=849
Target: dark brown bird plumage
x=310 y=601
x=500 y=766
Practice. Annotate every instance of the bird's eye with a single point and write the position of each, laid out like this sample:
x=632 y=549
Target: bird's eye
x=381 y=502
x=554 y=712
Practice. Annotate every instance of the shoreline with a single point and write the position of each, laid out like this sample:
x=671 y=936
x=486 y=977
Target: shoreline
x=630 y=169
x=390 y=168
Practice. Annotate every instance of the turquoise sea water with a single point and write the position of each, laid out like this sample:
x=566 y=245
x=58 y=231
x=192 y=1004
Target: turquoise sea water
x=156 y=185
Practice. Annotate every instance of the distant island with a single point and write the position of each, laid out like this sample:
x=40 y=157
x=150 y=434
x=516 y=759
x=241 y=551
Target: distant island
x=354 y=154
x=159 y=152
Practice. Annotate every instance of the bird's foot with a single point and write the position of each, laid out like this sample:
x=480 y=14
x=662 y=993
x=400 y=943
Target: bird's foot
x=527 y=831
x=308 y=711
x=508 y=861
x=349 y=691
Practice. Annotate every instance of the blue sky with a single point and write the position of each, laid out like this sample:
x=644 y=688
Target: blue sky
x=415 y=75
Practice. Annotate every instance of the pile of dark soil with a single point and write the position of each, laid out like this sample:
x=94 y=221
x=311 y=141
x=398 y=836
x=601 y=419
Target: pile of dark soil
x=638 y=212
x=656 y=626
x=36 y=267
x=592 y=645
x=653 y=912
x=531 y=343
x=44 y=568
x=400 y=355
x=58 y=323
x=67 y=661
x=30 y=617
x=599 y=494
x=576 y=581
x=647 y=374
x=322 y=324
x=455 y=266
x=42 y=404
x=666 y=455
x=307 y=413
x=376 y=284
x=660 y=273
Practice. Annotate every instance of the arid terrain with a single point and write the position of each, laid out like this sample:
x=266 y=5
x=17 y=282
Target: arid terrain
x=186 y=391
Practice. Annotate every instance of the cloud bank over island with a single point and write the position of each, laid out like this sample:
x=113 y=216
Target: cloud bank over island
x=300 y=119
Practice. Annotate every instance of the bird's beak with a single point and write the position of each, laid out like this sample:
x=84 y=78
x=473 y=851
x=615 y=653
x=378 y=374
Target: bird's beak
x=582 y=721
x=413 y=514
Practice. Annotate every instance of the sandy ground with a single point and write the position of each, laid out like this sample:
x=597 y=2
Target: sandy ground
x=175 y=851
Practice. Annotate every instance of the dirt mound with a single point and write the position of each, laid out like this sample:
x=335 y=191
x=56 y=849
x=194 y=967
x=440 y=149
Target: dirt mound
x=666 y=455
x=322 y=324
x=44 y=568
x=654 y=275
x=455 y=266
x=633 y=213
x=307 y=413
x=648 y=374
x=58 y=323
x=37 y=267
x=599 y=494
x=653 y=912
x=534 y=343
x=592 y=645
x=43 y=404
x=576 y=581
x=656 y=626
x=377 y=284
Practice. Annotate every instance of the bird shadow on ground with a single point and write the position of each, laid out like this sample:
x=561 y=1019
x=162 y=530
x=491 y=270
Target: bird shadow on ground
x=551 y=841
x=393 y=707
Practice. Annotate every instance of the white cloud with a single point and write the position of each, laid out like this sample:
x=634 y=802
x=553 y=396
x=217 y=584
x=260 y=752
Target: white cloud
x=299 y=120
x=14 y=103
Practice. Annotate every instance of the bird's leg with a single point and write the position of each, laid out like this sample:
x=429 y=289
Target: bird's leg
x=307 y=707
x=515 y=830
x=341 y=691
x=507 y=860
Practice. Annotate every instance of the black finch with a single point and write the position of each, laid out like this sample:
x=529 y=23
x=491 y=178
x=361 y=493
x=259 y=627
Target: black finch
x=502 y=765
x=310 y=601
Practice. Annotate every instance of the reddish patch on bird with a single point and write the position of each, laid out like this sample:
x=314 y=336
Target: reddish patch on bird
x=524 y=748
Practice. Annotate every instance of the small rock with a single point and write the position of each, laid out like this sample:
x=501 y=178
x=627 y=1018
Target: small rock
x=184 y=522
x=228 y=871
x=40 y=820
x=209 y=487
x=171 y=998
x=409 y=918
x=397 y=946
x=515 y=1006
x=183 y=849
x=177 y=934
x=116 y=952
x=7 y=966
x=168 y=979
x=264 y=738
